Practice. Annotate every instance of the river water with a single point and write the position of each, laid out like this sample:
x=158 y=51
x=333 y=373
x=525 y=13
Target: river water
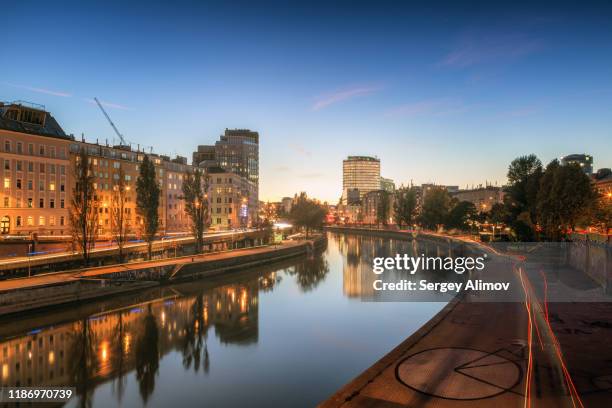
x=288 y=334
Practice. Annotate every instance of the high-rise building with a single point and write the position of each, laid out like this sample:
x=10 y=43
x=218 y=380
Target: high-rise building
x=585 y=161
x=35 y=174
x=361 y=173
x=205 y=156
x=236 y=151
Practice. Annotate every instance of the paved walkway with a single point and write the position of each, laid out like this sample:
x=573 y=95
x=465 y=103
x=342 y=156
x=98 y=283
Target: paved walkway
x=470 y=355
x=92 y=273
x=522 y=353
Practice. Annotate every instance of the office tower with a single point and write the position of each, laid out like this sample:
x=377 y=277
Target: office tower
x=361 y=173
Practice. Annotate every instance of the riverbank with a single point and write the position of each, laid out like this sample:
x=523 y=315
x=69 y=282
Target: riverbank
x=52 y=289
x=490 y=354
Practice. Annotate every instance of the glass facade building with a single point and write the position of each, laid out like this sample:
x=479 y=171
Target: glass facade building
x=361 y=173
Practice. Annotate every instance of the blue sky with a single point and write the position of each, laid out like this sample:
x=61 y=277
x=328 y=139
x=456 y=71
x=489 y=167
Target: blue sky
x=447 y=93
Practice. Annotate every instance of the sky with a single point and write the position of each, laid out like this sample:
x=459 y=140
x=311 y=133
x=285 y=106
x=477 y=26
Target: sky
x=441 y=92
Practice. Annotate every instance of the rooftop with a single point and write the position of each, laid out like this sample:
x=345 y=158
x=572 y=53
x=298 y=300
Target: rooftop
x=24 y=117
x=362 y=158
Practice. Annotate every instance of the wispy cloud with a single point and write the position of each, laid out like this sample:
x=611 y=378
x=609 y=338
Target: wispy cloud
x=440 y=106
x=40 y=90
x=311 y=175
x=109 y=104
x=485 y=48
x=343 y=95
x=301 y=150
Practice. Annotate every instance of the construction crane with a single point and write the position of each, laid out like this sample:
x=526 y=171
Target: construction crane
x=123 y=143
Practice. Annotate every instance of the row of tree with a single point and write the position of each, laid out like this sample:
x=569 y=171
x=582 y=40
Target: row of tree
x=439 y=209
x=539 y=204
x=85 y=206
x=549 y=203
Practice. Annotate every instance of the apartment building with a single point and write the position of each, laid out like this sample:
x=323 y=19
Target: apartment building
x=232 y=200
x=35 y=189
x=110 y=162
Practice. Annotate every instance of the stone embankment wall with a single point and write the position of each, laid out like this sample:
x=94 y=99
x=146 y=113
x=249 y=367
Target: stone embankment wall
x=74 y=290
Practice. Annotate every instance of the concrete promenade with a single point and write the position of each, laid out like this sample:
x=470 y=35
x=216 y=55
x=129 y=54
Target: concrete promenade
x=515 y=354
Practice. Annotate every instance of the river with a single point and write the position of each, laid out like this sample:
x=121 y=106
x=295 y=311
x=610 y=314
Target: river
x=286 y=334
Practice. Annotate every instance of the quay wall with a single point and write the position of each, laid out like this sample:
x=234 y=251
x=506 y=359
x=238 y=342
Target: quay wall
x=102 y=285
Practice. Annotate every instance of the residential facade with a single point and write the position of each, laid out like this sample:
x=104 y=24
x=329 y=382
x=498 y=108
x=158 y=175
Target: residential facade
x=109 y=163
x=372 y=203
x=35 y=174
x=232 y=200
x=483 y=198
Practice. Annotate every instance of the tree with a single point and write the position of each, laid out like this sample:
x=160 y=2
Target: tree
x=524 y=174
x=497 y=214
x=195 y=195
x=602 y=214
x=146 y=355
x=120 y=223
x=306 y=213
x=459 y=215
x=405 y=205
x=383 y=208
x=83 y=213
x=270 y=212
x=147 y=201
x=566 y=194
x=436 y=206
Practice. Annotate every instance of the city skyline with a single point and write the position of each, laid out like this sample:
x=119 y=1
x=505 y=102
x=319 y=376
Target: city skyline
x=424 y=91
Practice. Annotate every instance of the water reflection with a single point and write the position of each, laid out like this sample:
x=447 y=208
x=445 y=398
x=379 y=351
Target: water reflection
x=212 y=328
x=110 y=345
x=310 y=273
x=359 y=253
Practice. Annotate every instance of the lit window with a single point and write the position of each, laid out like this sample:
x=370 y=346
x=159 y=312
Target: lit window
x=52 y=186
x=30 y=221
x=7 y=182
x=41 y=220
